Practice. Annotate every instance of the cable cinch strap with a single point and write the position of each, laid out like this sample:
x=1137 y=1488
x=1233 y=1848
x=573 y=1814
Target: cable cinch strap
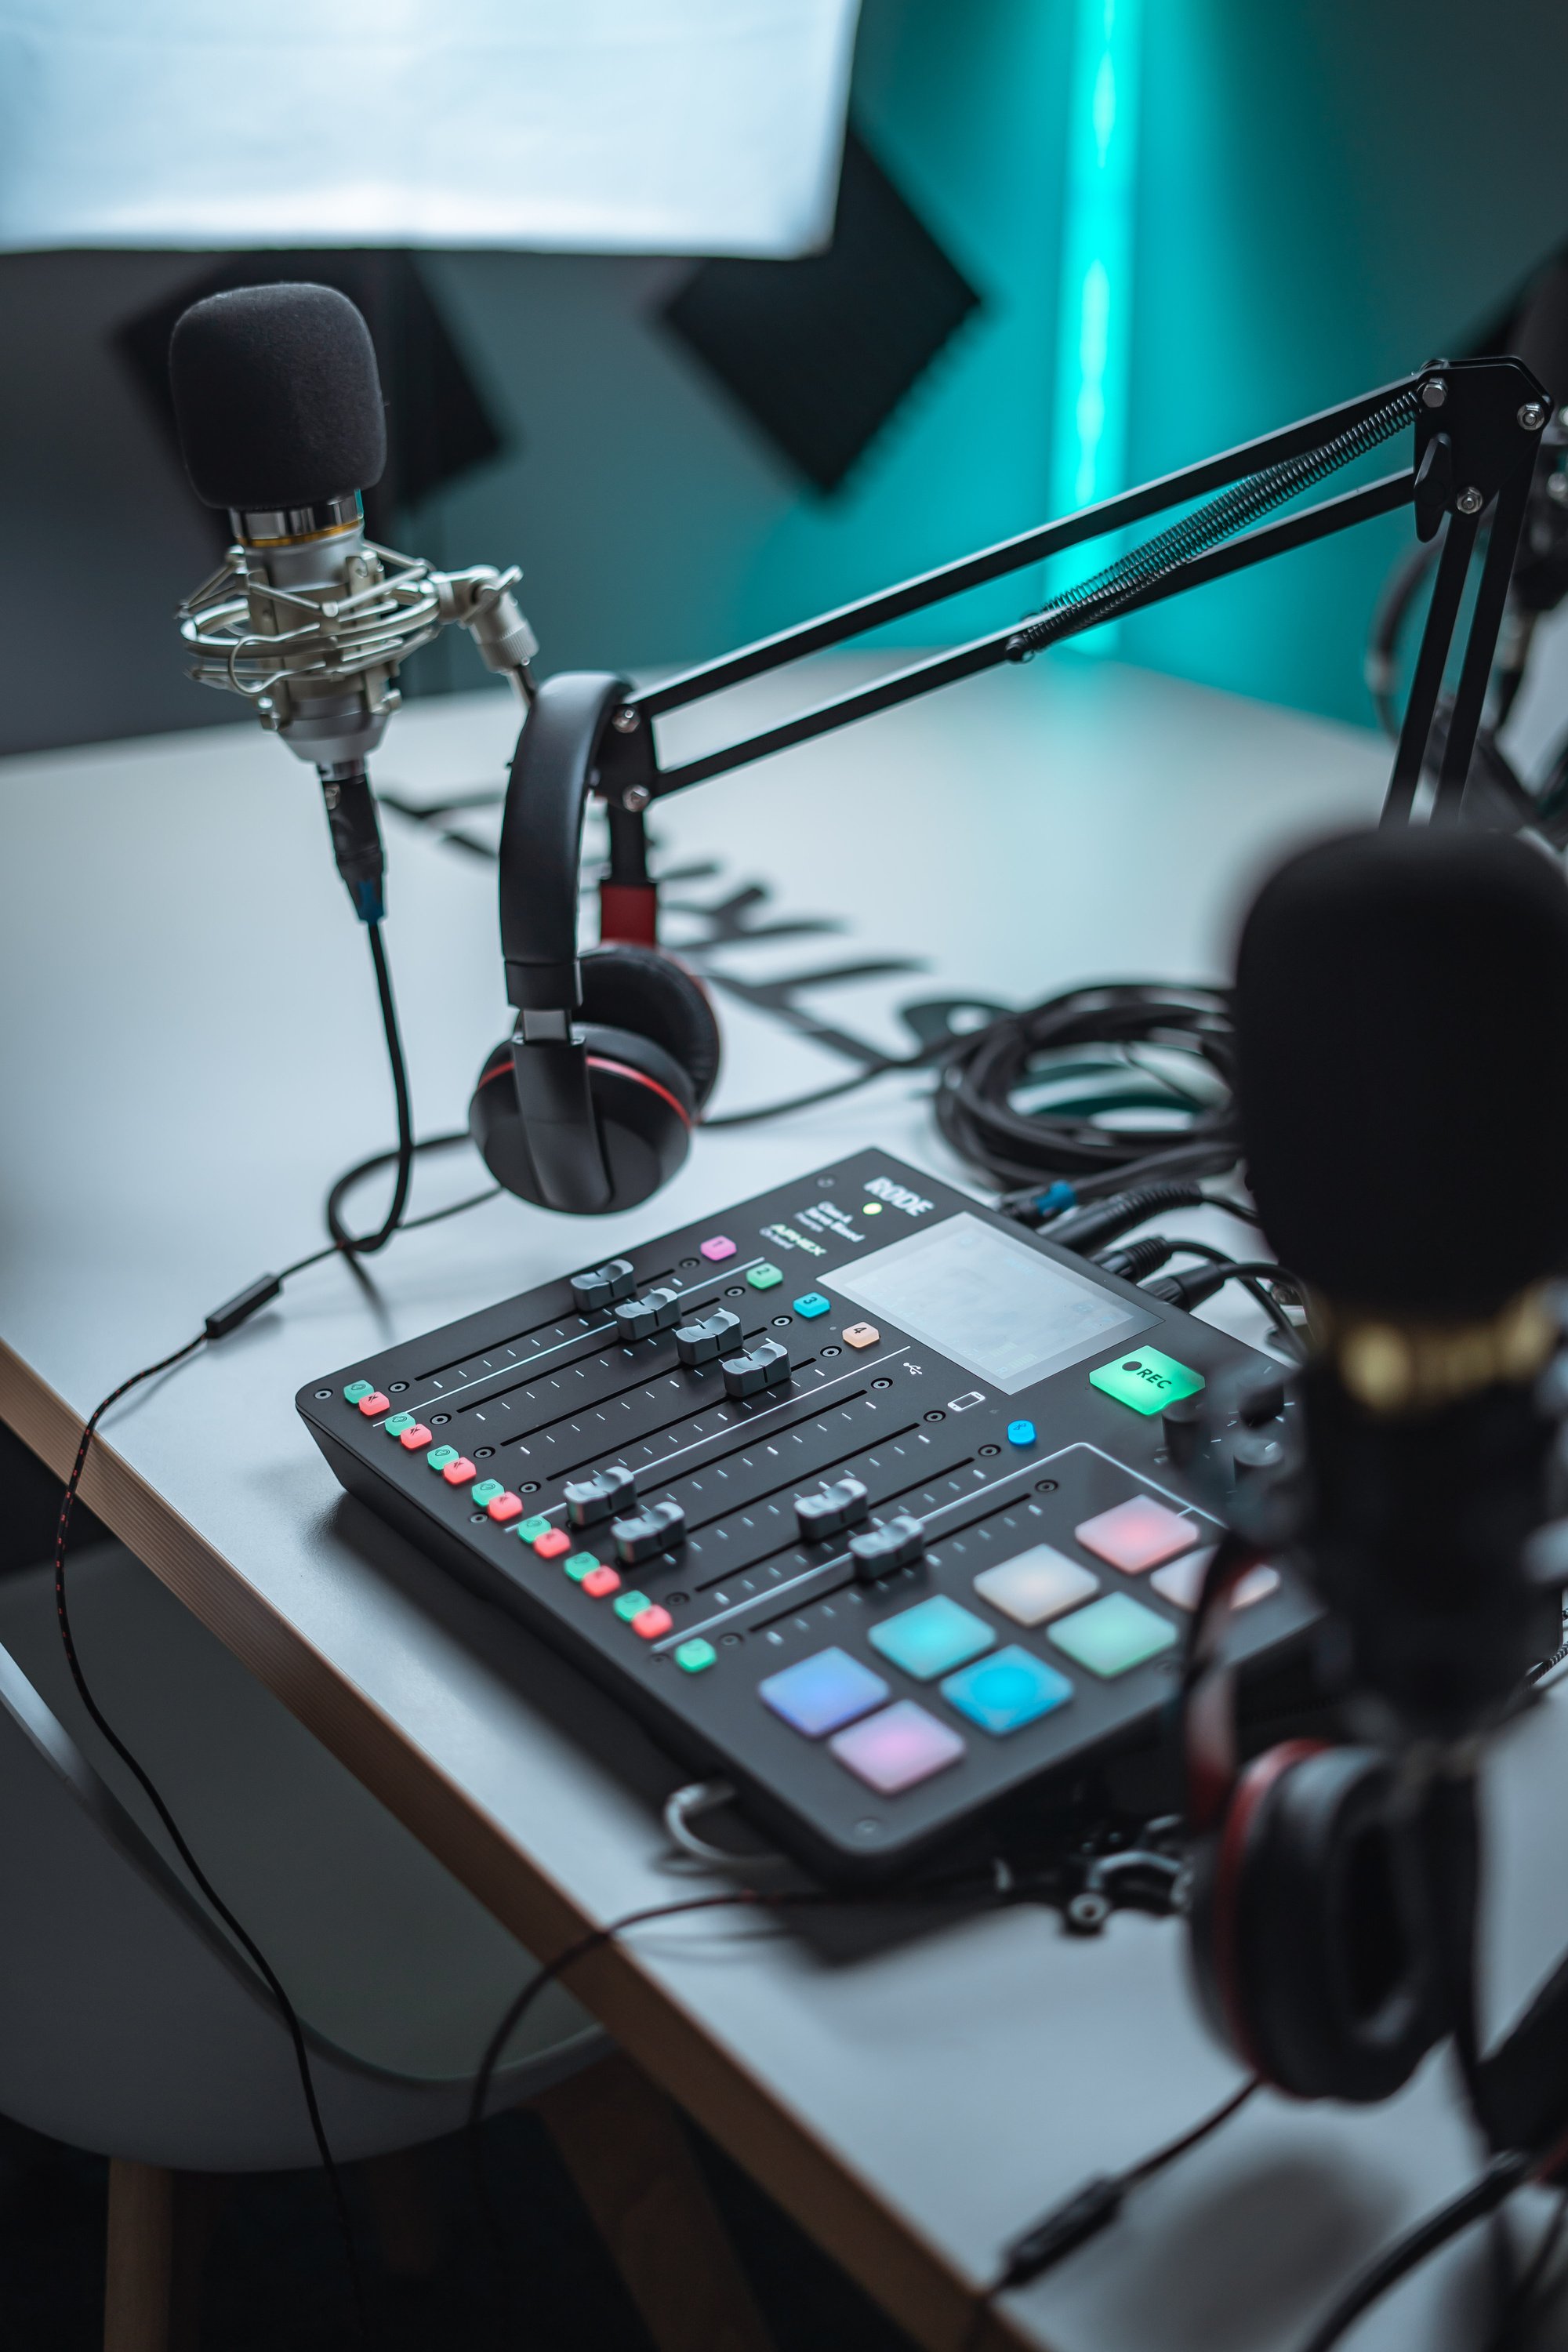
x=1103 y=595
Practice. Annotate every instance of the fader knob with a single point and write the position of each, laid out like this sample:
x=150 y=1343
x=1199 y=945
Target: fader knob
x=831 y=1509
x=601 y=1286
x=658 y=1528
x=887 y=1544
x=760 y=1367
x=699 y=1343
x=589 y=1500
x=655 y=1310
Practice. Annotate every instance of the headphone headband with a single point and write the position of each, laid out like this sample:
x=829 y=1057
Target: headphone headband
x=542 y=837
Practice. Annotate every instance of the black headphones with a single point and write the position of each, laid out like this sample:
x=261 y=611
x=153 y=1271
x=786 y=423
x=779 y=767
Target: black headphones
x=589 y=1105
x=1307 y=1930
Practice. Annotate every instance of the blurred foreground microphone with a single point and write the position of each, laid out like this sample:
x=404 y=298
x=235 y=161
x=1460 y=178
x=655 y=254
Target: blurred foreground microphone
x=1402 y=1080
x=280 y=420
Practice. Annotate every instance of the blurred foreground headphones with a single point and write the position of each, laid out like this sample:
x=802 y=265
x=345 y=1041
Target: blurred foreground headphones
x=1307 y=1934
x=589 y=1105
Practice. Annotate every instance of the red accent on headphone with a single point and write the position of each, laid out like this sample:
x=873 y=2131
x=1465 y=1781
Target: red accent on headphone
x=1254 y=1786
x=628 y=913
x=624 y=1070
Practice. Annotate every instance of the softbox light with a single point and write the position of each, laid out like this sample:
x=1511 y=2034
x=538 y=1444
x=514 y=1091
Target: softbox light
x=603 y=126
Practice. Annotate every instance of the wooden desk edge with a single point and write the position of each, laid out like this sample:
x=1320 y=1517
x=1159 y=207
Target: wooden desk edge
x=905 y=2274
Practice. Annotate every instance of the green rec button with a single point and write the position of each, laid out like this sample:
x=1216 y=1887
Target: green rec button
x=1148 y=1381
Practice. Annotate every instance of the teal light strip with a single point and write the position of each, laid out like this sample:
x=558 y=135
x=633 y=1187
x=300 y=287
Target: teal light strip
x=1088 y=455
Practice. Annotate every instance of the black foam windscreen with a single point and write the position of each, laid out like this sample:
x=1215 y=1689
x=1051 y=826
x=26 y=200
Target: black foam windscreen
x=277 y=397
x=1401 y=1068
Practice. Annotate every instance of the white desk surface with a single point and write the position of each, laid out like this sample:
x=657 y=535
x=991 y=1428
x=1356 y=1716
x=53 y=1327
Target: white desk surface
x=192 y=1052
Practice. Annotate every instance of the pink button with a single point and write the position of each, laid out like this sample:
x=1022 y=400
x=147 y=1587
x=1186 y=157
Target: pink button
x=716 y=1247
x=459 y=1473
x=371 y=1405
x=895 y=1749
x=504 y=1509
x=552 y=1543
x=1137 y=1535
x=600 y=1582
x=651 y=1622
x=411 y=1440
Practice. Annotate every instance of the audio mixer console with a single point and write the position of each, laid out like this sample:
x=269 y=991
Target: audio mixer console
x=858 y=1494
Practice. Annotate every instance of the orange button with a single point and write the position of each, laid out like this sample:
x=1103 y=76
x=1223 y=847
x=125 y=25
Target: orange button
x=459 y=1473
x=374 y=1403
x=553 y=1541
x=601 y=1583
x=411 y=1440
x=651 y=1622
x=861 y=1335
x=503 y=1507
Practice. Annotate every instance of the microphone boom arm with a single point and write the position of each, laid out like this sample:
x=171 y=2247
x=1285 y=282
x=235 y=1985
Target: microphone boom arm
x=1477 y=424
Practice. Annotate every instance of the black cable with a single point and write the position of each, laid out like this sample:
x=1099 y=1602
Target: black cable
x=363 y=1244
x=547 y=1973
x=825 y=1093
x=1502 y=2176
x=982 y=1073
x=1517 y=2310
x=1253 y=1274
x=378 y=1159
x=1172 y=2148
x=1089 y=2209
x=248 y=1942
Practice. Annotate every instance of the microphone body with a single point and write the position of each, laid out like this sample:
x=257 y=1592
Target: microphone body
x=279 y=410
x=1402 y=1084
x=1417 y=1535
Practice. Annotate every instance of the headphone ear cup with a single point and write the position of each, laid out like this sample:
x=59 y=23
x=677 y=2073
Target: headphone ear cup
x=643 y=1108
x=495 y=1124
x=1307 y=1932
x=646 y=991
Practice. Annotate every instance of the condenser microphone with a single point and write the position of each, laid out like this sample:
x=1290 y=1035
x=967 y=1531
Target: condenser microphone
x=1402 y=1085
x=279 y=405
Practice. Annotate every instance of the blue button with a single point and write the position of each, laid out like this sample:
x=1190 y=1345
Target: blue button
x=931 y=1638
x=1021 y=1432
x=813 y=1303
x=821 y=1693
x=1004 y=1693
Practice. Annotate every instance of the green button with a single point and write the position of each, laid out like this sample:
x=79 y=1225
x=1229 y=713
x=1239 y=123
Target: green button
x=628 y=1605
x=357 y=1389
x=531 y=1529
x=694 y=1657
x=1113 y=1635
x=764 y=1278
x=395 y=1423
x=1146 y=1380
x=487 y=1490
x=439 y=1455
x=580 y=1564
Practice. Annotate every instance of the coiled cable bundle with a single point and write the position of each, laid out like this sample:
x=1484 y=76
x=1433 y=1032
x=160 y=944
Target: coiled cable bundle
x=1079 y=1041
